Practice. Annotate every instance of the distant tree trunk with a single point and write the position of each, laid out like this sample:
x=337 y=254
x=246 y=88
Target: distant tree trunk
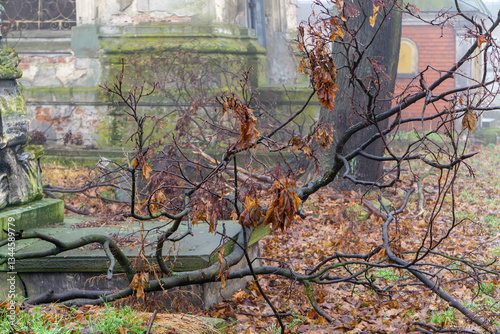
x=352 y=103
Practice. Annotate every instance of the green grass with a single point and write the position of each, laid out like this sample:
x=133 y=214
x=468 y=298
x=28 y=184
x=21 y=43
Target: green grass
x=444 y=318
x=47 y=321
x=113 y=319
x=387 y=274
x=487 y=288
x=297 y=320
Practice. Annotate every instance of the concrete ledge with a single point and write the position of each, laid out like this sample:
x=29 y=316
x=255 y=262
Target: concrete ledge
x=32 y=284
x=85 y=268
x=190 y=254
x=35 y=214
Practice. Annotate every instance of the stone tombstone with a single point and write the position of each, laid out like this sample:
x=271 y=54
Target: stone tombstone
x=20 y=172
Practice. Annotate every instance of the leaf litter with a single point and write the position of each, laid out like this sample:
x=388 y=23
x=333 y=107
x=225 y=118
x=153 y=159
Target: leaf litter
x=340 y=222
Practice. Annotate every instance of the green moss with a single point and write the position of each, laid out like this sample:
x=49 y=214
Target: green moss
x=7 y=72
x=13 y=105
x=157 y=45
x=35 y=151
x=36 y=187
x=8 y=64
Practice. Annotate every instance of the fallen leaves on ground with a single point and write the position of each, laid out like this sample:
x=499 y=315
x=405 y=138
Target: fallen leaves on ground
x=338 y=221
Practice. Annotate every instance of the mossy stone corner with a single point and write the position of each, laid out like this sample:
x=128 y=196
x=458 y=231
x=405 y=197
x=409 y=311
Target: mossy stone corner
x=31 y=215
x=9 y=60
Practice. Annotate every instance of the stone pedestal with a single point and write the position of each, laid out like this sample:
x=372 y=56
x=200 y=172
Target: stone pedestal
x=20 y=173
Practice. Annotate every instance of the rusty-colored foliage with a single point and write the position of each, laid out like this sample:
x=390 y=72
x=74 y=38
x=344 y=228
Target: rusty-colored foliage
x=252 y=213
x=244 y=115
x=284 y=204
x=317 y=61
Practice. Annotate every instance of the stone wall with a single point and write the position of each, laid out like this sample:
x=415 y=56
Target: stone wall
x=62 y=70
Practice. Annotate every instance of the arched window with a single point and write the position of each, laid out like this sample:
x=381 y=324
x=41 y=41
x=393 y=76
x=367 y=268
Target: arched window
x=39 y=14
x=408 y=58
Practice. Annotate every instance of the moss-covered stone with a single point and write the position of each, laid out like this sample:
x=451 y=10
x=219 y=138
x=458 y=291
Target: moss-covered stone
x=35 y=151
x=33 y=215
x=14 y=104
x=147 y=48
x=8 y=64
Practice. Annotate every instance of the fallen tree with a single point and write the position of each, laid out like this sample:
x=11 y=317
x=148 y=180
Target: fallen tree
x=220 y=187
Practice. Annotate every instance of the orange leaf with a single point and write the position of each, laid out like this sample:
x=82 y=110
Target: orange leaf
x=324 y=139
x=160 y=197
x=469 y=121
x=339 y=32
x=146 y=170
x=373 y=18
x=284 y=206
x=481 y=40
x=138 y=283
x=252 y=213
x=340 y=5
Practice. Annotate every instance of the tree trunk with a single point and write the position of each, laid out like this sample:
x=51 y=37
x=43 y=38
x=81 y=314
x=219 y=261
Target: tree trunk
x=352 y=103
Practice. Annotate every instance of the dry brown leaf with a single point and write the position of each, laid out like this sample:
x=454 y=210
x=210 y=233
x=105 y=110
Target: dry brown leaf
x=324 y=139
x=469 y=121
x=146 y=170
x=123 y=330
x=252 y=213
x=138 y=283
x=284 y=206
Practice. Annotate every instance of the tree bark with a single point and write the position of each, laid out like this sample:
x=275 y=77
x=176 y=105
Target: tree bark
x=365 y=45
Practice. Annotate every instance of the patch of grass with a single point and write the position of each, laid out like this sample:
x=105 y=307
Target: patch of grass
x=387 y=274
x=52 y=320
x=297 y=320
x=444 y=318
x=487 y=288
x=35 y=322
x=115 y=320
x=495 y=251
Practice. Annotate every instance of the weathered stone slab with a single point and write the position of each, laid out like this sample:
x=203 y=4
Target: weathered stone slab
x=189 y=254
x=85 y=268
x=35 y=214
x=32 y=284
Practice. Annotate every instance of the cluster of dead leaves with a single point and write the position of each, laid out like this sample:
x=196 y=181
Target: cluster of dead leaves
x=247 y=121
x=253 y=212
x=323 y=136
x=138 y=284
x=317 y=62
x=282 y=209
x=284 y=205
x=211 y=210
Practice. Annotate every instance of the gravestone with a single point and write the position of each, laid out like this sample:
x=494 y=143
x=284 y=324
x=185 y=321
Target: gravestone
x=20 y=172
x=21 y=189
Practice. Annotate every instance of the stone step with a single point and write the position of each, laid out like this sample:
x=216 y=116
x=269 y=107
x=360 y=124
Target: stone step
x=85 y=268
x=32 y=215
x=191 y=253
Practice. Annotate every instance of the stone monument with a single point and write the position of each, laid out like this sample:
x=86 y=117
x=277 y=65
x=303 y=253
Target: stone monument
x=21 y=189
x=20 y=173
